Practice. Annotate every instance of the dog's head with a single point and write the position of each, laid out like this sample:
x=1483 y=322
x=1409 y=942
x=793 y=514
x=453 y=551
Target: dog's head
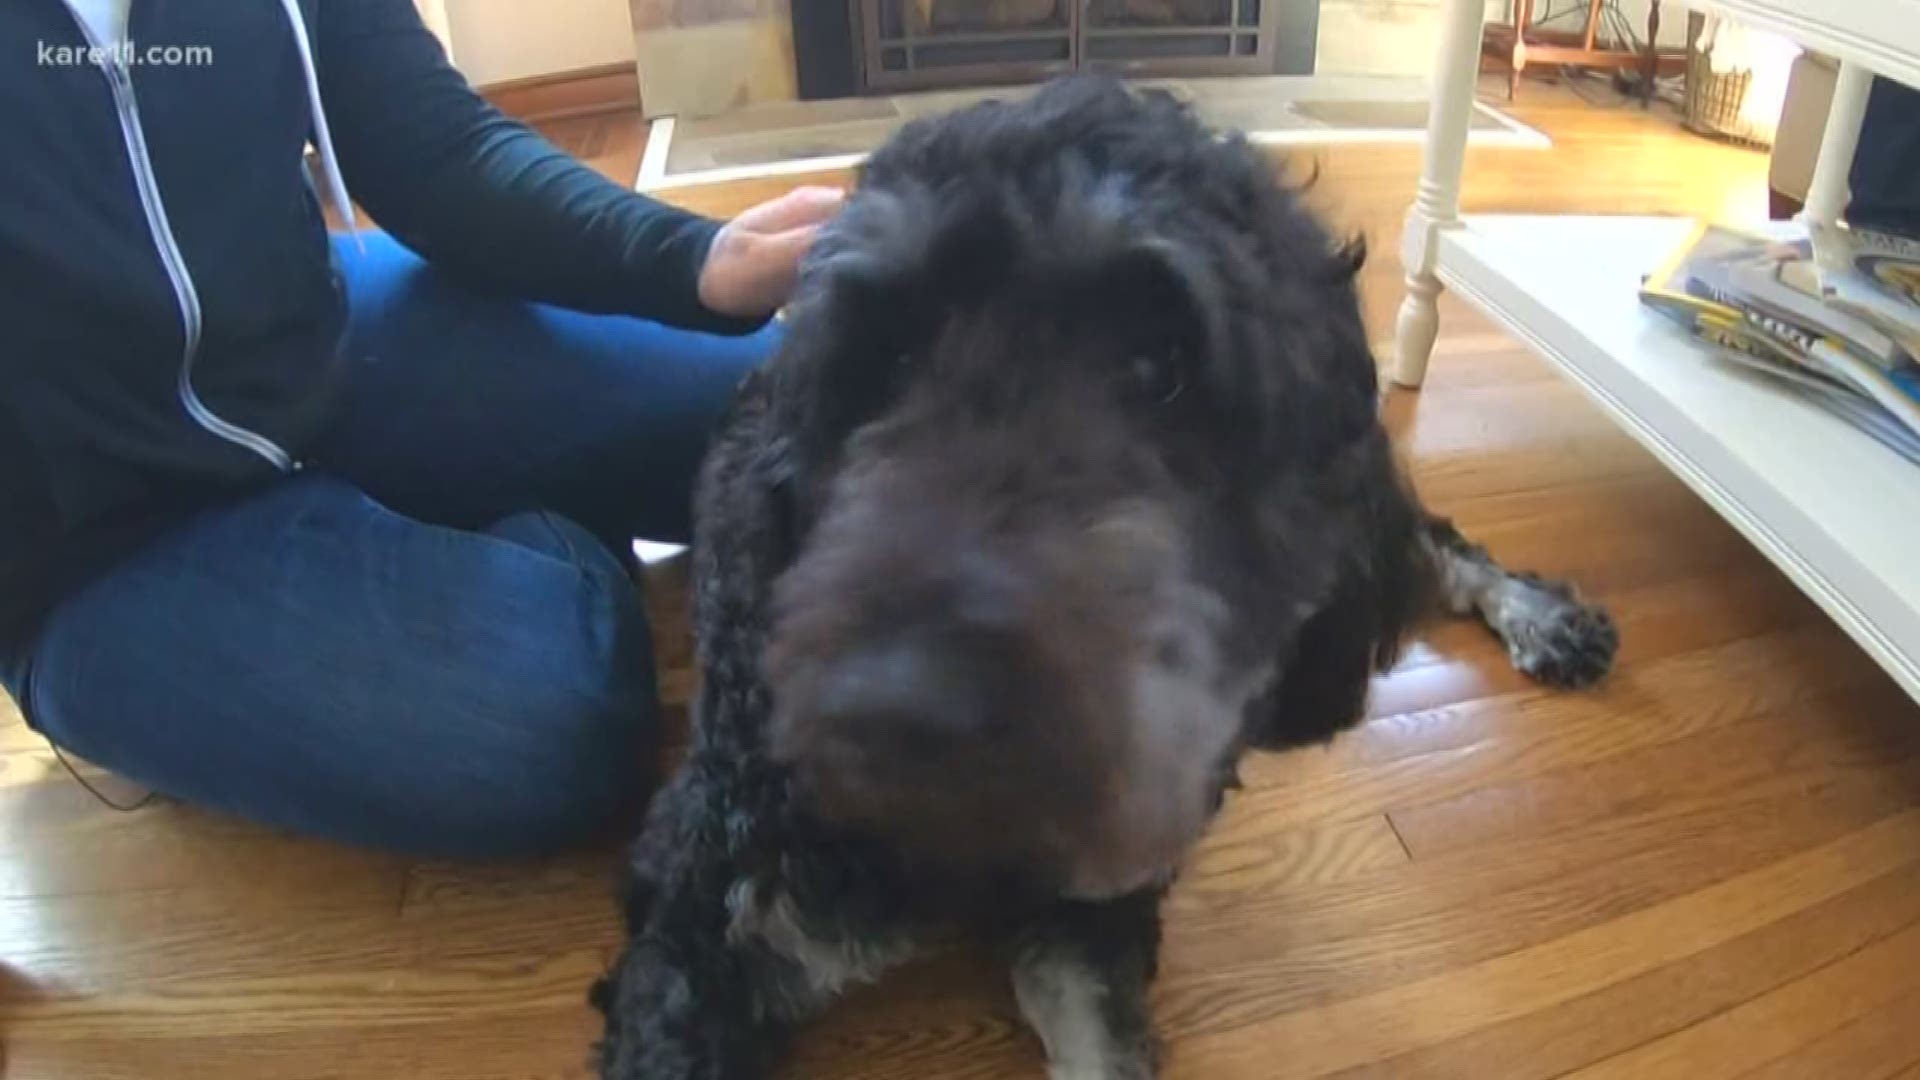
x=1078 y=397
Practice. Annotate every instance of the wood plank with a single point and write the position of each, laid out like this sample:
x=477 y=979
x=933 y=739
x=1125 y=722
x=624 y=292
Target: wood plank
x=566 y=95
x=1552 y=1042
x=1872 y=1047
x=1243 y=857
x=1369 y=932
x=1426 y=757
x=1212 y=1032
x=86 y=847
x=1613 y=534
x=1460 y=660
x=294 y=1000
x=434 y=888
x=98 y=945
x=534 y=1045
x=1766 y=754
x=1541 y=439
x=1740 y=600
x=1779 y=1023
x=1392 y=735
x=1223 y=971
x=1360 y=1030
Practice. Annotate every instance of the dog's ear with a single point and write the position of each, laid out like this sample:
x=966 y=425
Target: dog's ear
x=1172 y=289
x=892 y=252
x=1379 y=590
x=746 y=534
x=1126 y=269
x=1323 y=684
x=877 y=287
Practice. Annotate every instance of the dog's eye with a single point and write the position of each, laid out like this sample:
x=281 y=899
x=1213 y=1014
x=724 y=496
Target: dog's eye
x=1154 y=379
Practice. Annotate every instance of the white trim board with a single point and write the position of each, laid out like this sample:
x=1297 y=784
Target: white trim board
x=653 y=164
x=1882 y=35
x=653 y=160
x=650 y=552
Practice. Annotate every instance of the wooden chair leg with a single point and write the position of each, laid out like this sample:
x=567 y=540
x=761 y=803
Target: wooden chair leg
x=1653 y=55
x=1517 y=62
x=1591 y=34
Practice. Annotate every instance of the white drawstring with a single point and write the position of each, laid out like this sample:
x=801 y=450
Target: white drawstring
x=322 y=137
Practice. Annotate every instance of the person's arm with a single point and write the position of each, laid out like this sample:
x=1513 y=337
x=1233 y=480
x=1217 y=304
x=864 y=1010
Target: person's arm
x=483 y=197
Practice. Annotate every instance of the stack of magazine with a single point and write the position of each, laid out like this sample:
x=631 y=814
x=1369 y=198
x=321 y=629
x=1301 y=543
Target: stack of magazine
x=1830 y=313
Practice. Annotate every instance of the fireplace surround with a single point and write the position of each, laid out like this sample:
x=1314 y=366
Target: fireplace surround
x=844 y=48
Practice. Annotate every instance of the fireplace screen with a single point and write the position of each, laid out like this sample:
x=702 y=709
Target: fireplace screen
x=921 y=44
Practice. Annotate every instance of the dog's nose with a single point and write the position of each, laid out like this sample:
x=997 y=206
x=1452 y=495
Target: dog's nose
x=903 y=688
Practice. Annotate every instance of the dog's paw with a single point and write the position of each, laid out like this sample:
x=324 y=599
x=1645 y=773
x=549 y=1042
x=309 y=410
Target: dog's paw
x=1554 y=637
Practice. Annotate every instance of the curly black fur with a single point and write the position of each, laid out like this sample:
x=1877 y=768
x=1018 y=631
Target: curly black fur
x=1067 y=486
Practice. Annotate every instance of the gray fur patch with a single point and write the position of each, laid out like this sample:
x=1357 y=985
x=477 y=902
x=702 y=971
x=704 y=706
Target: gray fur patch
x=825 y=966
x=1065 y=1002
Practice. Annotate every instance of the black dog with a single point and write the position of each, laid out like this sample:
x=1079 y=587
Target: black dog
x=1068 y=486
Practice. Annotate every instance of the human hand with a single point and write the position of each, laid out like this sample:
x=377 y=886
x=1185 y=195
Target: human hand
x=755 y=258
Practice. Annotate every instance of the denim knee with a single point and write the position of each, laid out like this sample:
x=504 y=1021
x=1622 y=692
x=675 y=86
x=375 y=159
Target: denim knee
x=581 y=774
x=574 y=746
x=432 y=692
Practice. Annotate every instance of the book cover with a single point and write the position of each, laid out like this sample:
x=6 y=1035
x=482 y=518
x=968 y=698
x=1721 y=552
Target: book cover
x=1761 y=302
x=1873 y=276
x=1890 y=261
x=1732 y=346
x=1782 y=279
x=1669 y=289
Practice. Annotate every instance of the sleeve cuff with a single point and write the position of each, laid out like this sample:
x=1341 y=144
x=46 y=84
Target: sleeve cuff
x=688 y=251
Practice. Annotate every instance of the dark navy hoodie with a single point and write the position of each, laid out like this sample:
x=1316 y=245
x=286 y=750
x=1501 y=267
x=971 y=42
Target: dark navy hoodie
x=170 y=316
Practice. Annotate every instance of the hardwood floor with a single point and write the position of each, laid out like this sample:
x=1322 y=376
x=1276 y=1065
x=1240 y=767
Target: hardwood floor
x=1709 y=868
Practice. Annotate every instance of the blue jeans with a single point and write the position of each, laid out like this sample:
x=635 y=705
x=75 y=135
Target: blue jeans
x=424 y=641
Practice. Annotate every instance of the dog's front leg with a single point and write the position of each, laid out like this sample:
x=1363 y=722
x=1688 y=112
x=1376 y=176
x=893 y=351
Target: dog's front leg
x=712 y=986
x=1550 y=633
x=688 y=997
x=1081 y=975
x=681 y=1007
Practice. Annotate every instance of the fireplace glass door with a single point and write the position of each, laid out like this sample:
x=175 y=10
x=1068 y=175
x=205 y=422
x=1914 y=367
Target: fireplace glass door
x=921 y=44
x=916 y=44
x=1175 y=36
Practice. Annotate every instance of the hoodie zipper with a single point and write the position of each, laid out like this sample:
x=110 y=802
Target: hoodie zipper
x=128 y=109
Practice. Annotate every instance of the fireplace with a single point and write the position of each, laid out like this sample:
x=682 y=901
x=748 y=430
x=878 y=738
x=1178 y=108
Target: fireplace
x=847 y=47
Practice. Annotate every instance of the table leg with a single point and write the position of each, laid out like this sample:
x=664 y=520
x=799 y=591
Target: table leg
x=1828 y=195
x=1437 y=206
